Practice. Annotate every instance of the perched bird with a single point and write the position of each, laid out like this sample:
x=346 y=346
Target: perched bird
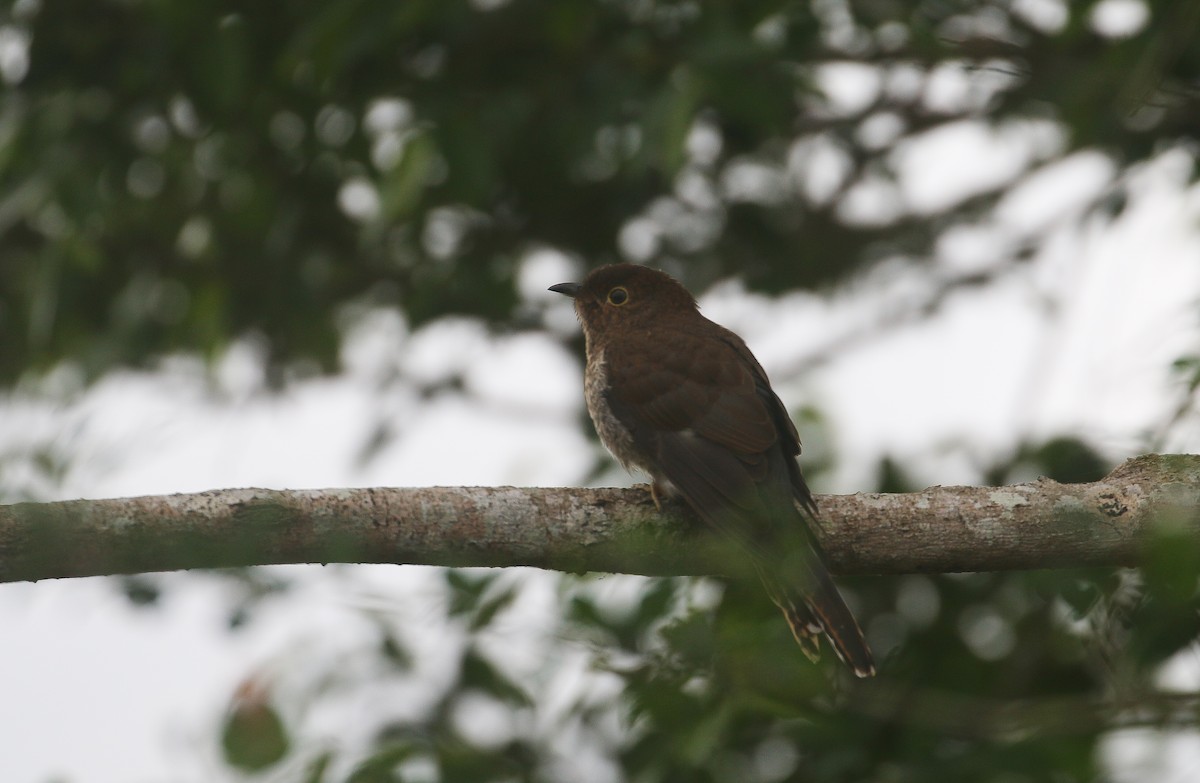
x=681 y=398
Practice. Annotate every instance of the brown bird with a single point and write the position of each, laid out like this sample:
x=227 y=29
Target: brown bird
x=682 y=399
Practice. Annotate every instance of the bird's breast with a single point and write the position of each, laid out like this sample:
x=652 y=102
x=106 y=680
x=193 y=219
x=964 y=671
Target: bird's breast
x=615 y=436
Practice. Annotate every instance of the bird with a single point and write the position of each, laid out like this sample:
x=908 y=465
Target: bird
x=683 y=400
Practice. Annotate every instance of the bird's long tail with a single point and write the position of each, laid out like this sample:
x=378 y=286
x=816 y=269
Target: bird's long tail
x=819 y=609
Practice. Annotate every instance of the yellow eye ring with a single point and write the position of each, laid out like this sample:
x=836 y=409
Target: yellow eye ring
x=618 y=296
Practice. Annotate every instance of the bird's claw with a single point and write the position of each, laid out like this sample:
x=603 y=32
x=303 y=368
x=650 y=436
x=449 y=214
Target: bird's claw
x=655 y=493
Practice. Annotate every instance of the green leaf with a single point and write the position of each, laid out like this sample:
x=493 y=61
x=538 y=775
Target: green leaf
x=254 y=736
x=477 y=672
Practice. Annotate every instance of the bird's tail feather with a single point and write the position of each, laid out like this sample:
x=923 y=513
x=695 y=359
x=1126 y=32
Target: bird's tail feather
x=821 y=610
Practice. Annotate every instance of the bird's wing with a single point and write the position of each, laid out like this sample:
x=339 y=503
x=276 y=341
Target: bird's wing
x=704 y=412
x=714 y=429
x=789 y=439
x=683 y=390
x=683 y=382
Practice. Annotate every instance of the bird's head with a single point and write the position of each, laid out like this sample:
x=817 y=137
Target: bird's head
x=625 y=296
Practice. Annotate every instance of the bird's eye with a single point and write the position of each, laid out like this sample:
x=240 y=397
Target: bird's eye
x=618 y=296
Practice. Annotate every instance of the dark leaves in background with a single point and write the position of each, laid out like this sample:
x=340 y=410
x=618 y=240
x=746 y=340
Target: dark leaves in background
x=1068 y=460
x=626 y=629
x=184 y=175
x=254 y=735
x=142 y=590
x=477 y=672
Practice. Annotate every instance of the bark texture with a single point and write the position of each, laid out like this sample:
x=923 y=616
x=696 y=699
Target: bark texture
x=1042 y=524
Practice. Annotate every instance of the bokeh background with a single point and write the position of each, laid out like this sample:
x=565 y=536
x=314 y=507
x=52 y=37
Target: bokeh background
x=307 y=245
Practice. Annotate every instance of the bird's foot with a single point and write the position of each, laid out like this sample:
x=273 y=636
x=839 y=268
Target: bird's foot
x=656 y=493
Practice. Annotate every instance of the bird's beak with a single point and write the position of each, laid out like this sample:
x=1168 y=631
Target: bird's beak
x=568 y=289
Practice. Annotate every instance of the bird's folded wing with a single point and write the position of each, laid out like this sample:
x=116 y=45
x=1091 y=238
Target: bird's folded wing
x=717 y=432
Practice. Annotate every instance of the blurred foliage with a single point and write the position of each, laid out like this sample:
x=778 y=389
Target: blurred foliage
x=1064 y=459
x=254 y=736
x=180 y=175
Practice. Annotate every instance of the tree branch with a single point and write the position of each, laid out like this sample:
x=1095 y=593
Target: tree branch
x=942 y=529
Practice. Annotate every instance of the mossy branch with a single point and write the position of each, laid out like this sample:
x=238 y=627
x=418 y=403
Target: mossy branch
x=1042 y=524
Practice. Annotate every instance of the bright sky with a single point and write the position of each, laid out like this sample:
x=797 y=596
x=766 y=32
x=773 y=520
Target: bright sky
x=1077 y=341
